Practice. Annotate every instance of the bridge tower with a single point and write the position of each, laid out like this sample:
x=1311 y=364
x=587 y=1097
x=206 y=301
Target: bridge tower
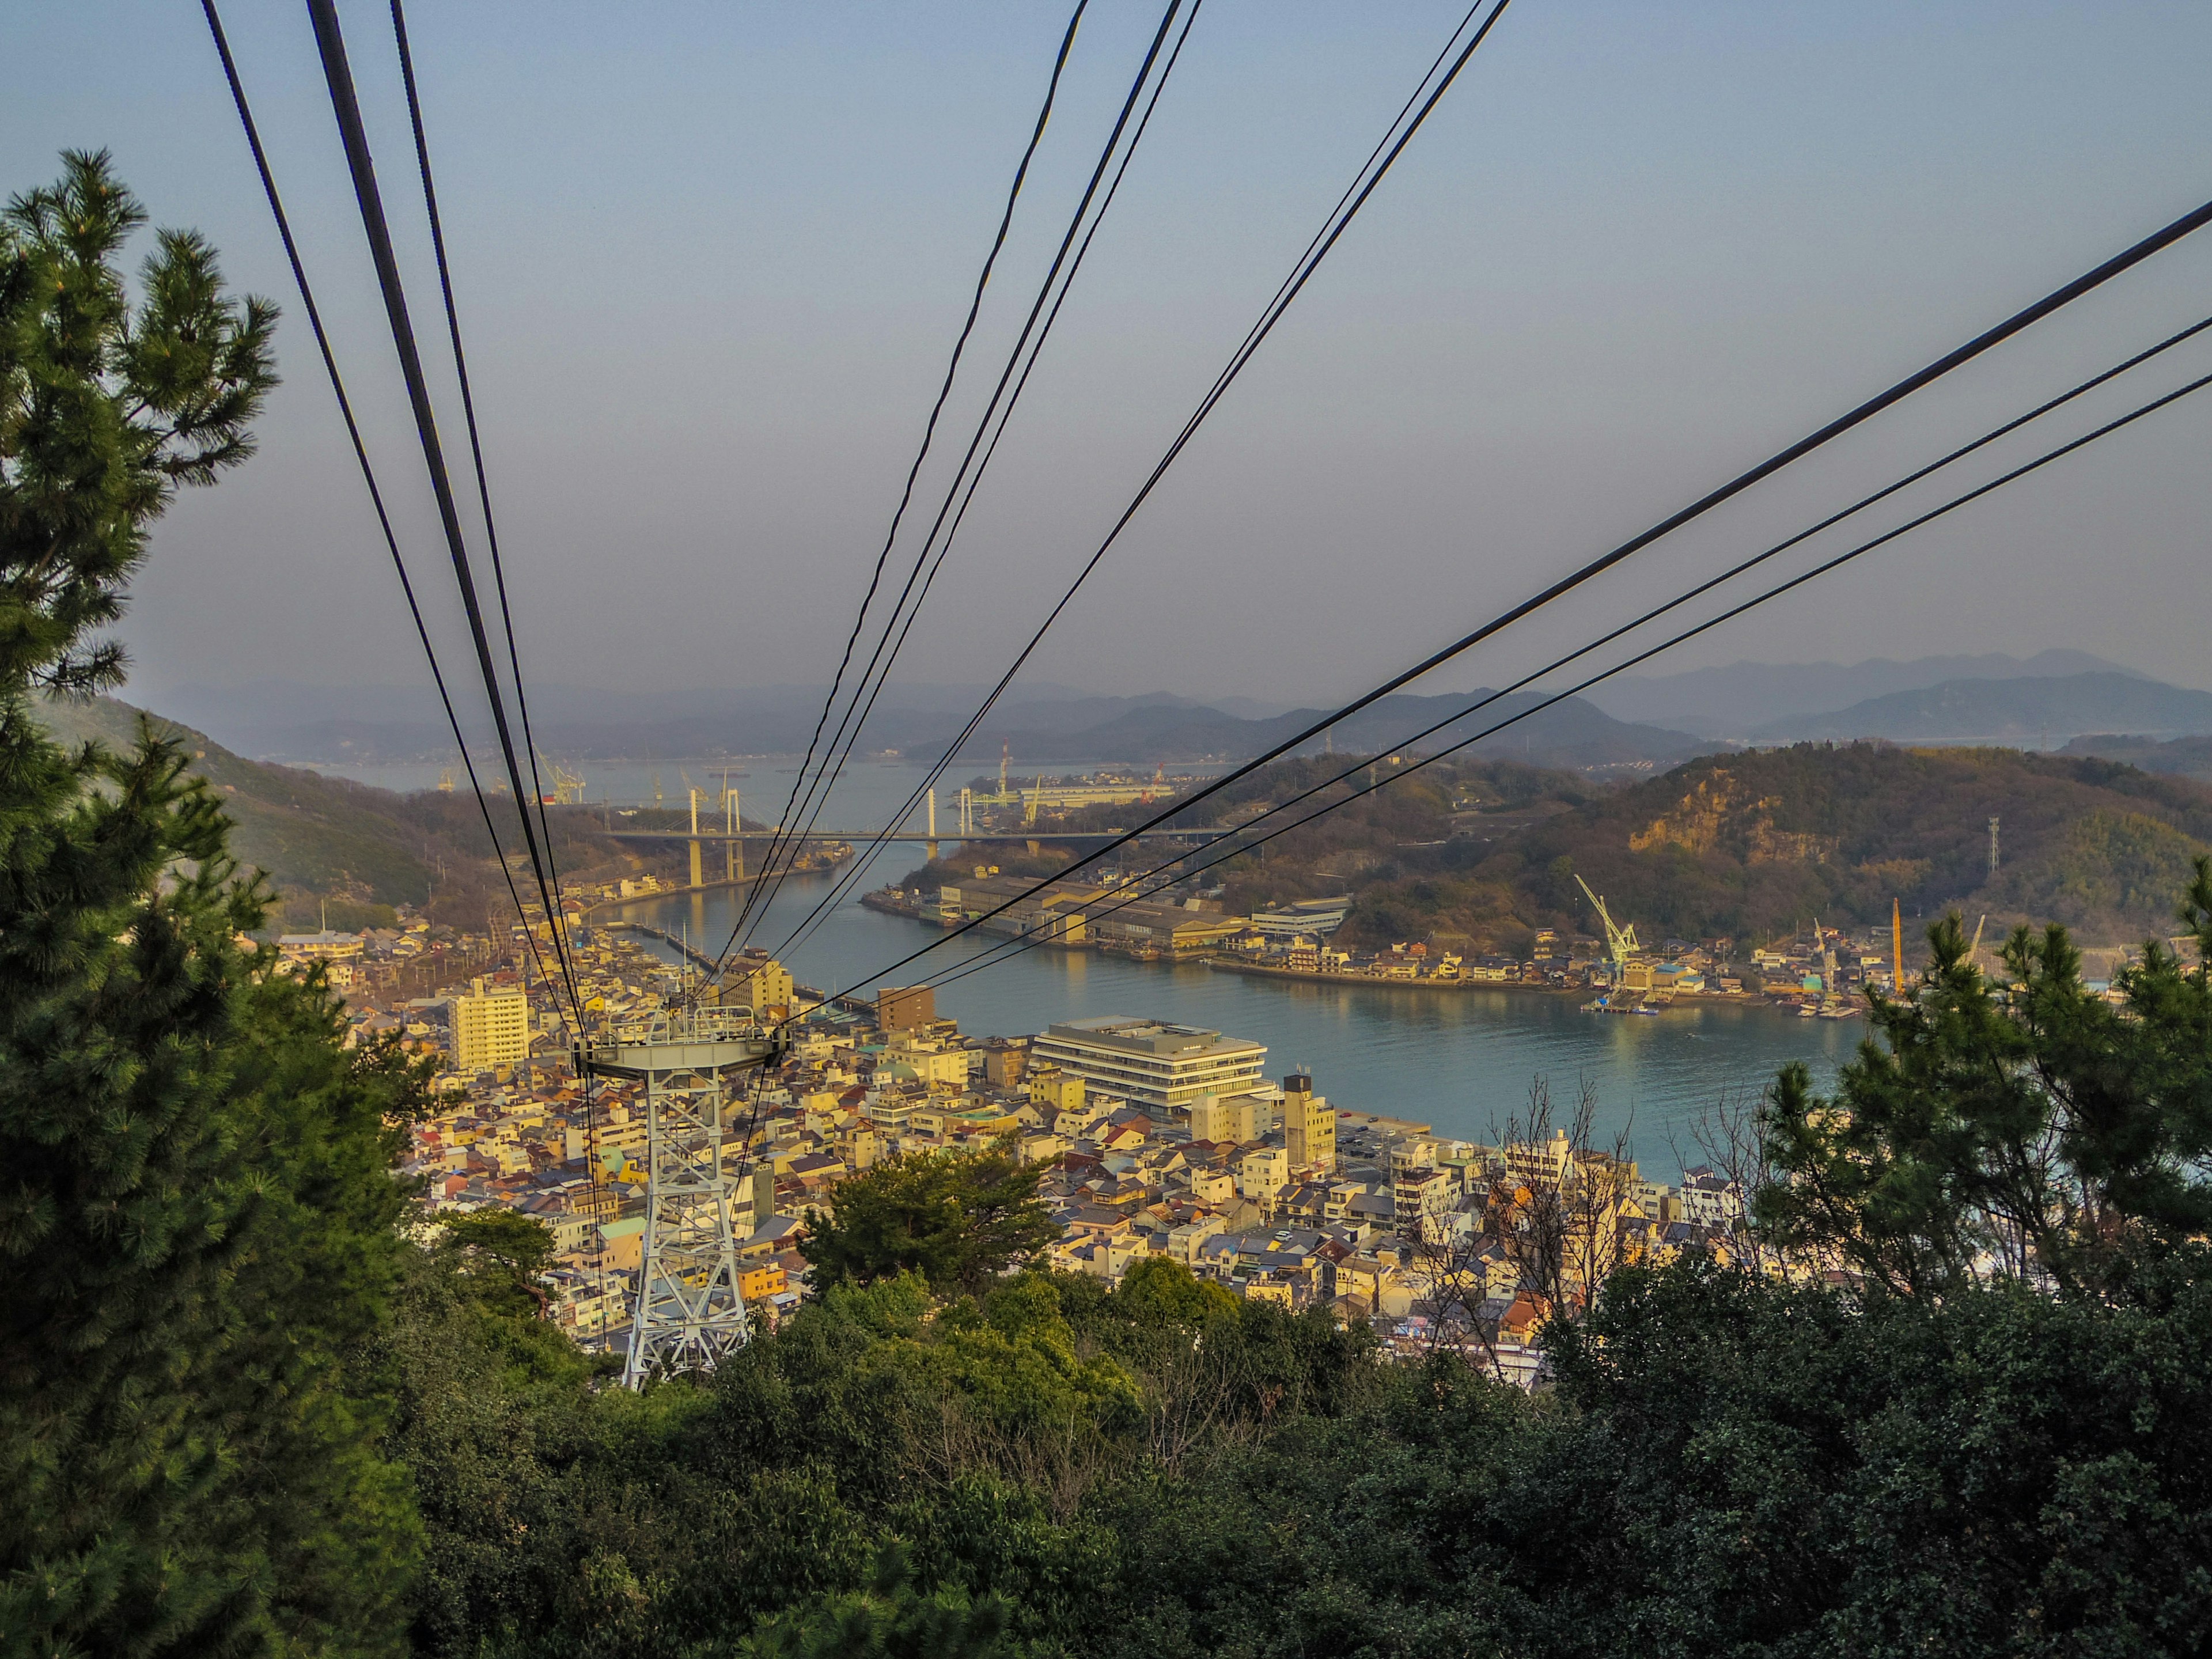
x=690 y=1312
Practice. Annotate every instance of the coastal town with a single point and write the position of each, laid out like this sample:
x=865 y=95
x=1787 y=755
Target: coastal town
x=1156 y=1139
x=1822 y=972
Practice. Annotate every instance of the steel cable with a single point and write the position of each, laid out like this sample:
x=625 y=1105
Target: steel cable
x=345 y=105
x=965 y=491
x=881 y=660
x=360 y=448
x=921 y=454
x=1317 y=250
x=1733 y=571
x=1027 y=940
x=2125 y=260
x=476 y=454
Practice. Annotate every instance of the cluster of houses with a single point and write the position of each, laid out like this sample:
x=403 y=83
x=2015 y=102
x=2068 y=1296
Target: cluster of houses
x=1155 y=1137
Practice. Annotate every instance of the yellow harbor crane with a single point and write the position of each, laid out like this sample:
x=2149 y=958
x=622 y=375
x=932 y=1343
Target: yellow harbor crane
x=1620 y=942
x=1631 y=974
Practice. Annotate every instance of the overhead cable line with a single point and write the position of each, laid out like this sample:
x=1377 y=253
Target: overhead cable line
x=1027 y=939
x=2125 y=260
x=1887 y=491
x=360 y=449
x=476 y=443
x=877 y=670
x=345 y=105
x=1348 y=206
x=921 y=454
x=1000 y=407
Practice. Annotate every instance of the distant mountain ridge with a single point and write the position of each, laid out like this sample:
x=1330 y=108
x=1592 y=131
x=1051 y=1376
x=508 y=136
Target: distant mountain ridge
x=1726 y=702
x=2033 y=711
x=317 y=837
x=1044 y=723
x=1573 y=734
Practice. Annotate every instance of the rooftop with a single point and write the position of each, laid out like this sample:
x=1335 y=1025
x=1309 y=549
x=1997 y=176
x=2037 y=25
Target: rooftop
x=1146 y=1037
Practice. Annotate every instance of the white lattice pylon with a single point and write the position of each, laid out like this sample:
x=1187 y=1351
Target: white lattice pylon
x=690 y=1310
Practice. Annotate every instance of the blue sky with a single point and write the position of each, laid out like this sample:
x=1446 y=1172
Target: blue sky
x=711 y=257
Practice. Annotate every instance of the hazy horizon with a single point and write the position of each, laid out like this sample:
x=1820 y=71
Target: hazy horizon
x=709 y=263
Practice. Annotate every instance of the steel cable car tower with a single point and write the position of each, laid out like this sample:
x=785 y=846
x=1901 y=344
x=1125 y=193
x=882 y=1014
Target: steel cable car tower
x=691 y=1312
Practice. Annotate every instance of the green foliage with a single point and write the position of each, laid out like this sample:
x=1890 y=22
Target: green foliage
x=104 y=409
x=1725 y=1465
x=958 y=1218
x=2030 y=1131
x=514 y=1250
x=891 y=1620
x=197 y=1213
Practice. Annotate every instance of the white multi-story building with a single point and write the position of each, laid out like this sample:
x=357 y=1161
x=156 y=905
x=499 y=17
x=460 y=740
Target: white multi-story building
x=491 y=1027
x=1150 y=1062
x=1312 y=918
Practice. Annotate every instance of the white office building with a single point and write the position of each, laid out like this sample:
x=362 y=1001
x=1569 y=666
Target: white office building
x=1312 y=918
x=1150 y=1062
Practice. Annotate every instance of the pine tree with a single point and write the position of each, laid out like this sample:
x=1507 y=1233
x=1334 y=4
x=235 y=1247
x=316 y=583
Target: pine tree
x=198 y=1223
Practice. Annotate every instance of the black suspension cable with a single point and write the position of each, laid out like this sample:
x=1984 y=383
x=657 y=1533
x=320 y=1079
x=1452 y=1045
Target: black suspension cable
x=475 y=448
x=969 y=475
x=1025 y=940
x=346 y=105
x=360 y=449
x=776 y=842
x=1919 y=473
x=878 y=668
x=1356 y=194
x=2125 y=260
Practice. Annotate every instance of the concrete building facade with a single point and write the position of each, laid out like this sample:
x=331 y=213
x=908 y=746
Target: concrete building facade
x=1151 y=1063
x=491 y=1027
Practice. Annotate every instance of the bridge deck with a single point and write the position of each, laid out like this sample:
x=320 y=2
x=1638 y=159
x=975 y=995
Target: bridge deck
x=855 y=836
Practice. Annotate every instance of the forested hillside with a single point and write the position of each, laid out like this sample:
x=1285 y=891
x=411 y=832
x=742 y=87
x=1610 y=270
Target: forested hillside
x=326 y=839
x=1748 y=846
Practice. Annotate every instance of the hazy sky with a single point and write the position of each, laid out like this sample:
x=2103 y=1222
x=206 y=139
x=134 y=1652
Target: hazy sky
x=711 y=257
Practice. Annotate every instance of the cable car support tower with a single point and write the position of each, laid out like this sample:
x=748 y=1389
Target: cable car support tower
x=690 y=1313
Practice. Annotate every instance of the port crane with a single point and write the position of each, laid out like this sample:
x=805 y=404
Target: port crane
x=1620 y=942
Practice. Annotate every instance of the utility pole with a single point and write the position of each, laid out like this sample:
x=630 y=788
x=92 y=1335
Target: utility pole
x=1993 y=846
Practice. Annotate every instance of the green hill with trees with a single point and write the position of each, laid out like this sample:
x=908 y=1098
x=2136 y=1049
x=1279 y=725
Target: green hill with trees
x=329 y=843
x=1748 y=846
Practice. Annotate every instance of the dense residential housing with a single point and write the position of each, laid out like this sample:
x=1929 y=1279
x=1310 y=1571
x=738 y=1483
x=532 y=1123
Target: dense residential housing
x=1156 y=1139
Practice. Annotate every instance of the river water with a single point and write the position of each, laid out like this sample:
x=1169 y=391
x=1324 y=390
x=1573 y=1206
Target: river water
x=1462 y=1062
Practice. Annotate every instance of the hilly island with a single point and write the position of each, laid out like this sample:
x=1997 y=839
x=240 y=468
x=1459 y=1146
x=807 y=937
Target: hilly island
x=1479 y=856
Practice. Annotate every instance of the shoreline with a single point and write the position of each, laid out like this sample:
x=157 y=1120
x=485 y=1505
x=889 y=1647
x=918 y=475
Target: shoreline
x=1687 y=1000
x=1520 y=987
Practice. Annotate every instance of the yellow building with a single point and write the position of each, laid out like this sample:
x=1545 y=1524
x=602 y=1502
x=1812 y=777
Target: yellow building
x=1236 y=1118
x=1309 y=1126
x=757 y=1283
x=1061 y=1091
x=491 y=1027
x=759 y=986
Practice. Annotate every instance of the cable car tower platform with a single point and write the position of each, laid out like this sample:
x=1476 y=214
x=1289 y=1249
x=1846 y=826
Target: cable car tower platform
x=690 y=1310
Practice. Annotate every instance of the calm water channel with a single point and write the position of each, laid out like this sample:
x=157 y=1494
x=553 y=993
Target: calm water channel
x=1461 y=1062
